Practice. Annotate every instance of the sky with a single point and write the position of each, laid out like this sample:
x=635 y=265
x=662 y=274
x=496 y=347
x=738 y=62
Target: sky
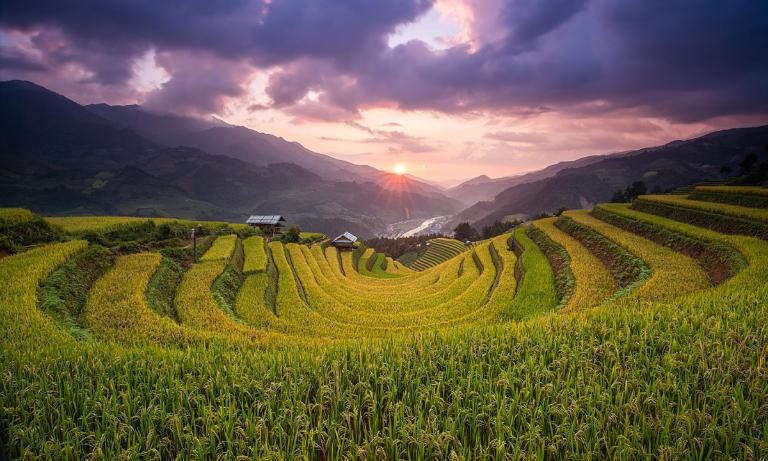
x=448 y=89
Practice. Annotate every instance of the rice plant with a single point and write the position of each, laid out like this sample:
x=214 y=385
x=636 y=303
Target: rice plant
x=467 y=359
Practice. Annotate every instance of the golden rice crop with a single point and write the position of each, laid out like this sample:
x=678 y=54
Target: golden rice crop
x=365 y=299
x=414 y=285
x=222 y=248
x=672 y=273
x=255 y=254
x=754 y=214
x=117 y=310
x=614 y=381
x=82 y=224
x=594 y=284
x=741 y=190
x=441 y=310
x=15 y=215
x=251 y=305
x=196 y=306
x=22 y=326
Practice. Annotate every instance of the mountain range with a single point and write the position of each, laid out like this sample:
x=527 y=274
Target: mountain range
x=58 y=157
x=590 y=180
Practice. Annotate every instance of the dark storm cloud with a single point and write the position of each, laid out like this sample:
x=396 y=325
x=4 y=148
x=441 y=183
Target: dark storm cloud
x=527 y=20
x=684 y=60
x=105 y=37
x=265 y=32
x=12 y=59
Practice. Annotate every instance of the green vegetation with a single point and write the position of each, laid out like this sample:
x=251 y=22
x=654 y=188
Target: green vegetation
x=20 y=228
x=629 y=271
x=62 y=296
x=730 y=219
x=84 y=224
x=671 y=272
x=592 y=282
x=607 y=334
x=162 y=288
x=559 y=260
x=117 y=309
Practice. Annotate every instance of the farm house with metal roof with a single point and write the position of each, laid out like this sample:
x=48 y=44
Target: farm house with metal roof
x=269 y=224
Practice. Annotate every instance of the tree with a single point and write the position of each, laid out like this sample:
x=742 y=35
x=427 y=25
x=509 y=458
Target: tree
x=748 y=163
x=635 y=190
x=464 y=231
x=560 y=211
x=293 y=235
x=618 y=197
x=497 y=228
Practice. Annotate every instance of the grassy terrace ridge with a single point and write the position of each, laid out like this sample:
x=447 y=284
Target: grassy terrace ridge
x=726 y=218
x=15 y=215
x=593 y=283
x=672 y=273
x=629 y=271
x=297 y=351
x=739 y=190
x=746 y=196
x=710 y=207
x=82 y=224
x=117 y=309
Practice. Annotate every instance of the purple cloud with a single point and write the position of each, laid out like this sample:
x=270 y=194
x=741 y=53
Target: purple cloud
x=673 y=59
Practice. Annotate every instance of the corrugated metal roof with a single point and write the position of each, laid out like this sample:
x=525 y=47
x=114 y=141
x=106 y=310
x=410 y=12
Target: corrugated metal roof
x=264 y=219
x=346 y=236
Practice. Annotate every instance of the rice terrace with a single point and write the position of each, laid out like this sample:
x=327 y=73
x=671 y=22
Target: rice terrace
x=383 y=230
x=282 y=350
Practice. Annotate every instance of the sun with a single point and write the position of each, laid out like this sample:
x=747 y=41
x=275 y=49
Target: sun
x=399 y=168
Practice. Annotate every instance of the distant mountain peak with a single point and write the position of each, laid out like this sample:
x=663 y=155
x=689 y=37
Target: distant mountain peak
x=477 y=180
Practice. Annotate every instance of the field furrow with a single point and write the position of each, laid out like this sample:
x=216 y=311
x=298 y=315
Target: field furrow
x=672 y=273
x=593 y=283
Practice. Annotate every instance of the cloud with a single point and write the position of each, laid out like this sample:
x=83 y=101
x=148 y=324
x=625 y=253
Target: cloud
x=400 y=142
x=199 y=84
x=582 y=58
x=579 y=57
x=104 y=38
x=12 y=59
x=517 y=137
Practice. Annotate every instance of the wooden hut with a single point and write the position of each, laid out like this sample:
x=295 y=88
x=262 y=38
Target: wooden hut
x=344 y=241
x=269 y=224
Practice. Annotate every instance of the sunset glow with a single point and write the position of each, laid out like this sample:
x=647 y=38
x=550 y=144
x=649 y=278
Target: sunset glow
x=399 y=168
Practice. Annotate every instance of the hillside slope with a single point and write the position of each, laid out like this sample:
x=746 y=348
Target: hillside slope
x=672 y=165
x=260 y=149
x=59 y=158
x=627 y=319
x=483 y=188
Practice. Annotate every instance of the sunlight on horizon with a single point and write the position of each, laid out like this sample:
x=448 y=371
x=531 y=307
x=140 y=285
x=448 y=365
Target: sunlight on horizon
x=399 y=168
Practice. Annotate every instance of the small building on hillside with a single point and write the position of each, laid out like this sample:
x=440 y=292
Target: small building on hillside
x=344 y=241
x=269 y=224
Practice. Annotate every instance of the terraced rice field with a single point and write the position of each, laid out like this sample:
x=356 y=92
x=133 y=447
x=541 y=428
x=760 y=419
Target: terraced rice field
x=82 y=224
x=622 y=332
x=439 y=251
